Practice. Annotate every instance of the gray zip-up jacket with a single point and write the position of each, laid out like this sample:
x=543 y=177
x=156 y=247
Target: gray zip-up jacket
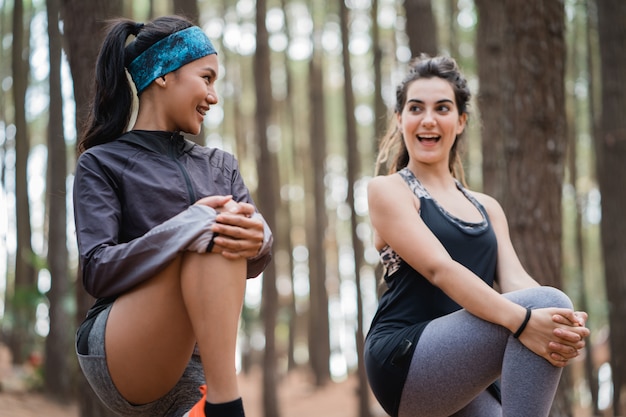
x=134 y=212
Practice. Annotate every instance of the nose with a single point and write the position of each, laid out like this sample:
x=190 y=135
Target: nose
x=428 y=120
x=211 y=96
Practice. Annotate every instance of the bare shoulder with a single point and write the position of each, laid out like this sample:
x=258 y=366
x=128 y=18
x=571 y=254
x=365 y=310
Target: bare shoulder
x=384 y=184
x=384 y=190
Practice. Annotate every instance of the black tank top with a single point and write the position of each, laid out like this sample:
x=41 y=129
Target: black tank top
x=411 y=301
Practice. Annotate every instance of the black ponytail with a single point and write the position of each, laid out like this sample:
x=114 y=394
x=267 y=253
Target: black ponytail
x=113 y=96
x=110 y=110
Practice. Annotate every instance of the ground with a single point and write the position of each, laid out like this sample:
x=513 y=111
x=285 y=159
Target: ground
x=297 y=398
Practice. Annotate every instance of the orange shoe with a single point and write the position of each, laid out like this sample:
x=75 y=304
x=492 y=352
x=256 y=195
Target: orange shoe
x=198 y=409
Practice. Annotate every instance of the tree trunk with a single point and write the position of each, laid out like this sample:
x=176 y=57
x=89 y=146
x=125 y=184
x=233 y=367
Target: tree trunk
x=576 y=70
x=535 y=135
x=421 y=27
x=25 y=295
x=490 y=63
x=535 y=141
x=317 y=219
x=267 y=192
x=451 y=22
x=4 y=69
x=591 y=24
x=58 y=342
x=83 y=25
x=188 y=8
x=354 y=171
x=289 y=112
x=380 y=108
x=611 y=154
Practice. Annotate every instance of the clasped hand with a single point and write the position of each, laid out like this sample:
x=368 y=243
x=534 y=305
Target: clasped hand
x=237 y=233
x=556 y=334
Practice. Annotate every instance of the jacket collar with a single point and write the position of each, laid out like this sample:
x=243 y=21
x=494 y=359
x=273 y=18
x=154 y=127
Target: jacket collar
x=161 y=142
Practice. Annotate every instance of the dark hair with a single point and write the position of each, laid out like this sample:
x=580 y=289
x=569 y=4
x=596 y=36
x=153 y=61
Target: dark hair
x=392 y=150
x=110 y=110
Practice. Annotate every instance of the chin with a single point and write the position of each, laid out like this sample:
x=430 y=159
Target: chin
x=192 y=131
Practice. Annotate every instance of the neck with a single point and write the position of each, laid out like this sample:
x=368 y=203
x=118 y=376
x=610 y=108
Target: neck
x=150 y=114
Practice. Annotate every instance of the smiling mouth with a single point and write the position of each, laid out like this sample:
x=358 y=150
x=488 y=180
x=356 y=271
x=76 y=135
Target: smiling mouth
x=202 y=110
x=428 y=138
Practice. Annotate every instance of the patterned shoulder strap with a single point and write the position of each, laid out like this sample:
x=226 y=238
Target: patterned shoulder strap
x=413 y=183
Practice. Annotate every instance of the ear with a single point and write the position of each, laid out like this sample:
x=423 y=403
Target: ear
x=399 y=121
x=462 y=122
x=161 y=81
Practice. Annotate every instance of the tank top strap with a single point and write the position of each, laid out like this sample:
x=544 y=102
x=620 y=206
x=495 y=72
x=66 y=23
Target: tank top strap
x=413 y=183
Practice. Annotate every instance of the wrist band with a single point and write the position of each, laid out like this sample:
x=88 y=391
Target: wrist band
x=209 y=247
x=524 y=323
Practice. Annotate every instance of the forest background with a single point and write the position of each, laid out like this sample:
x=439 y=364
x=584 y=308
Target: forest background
x=304 y=96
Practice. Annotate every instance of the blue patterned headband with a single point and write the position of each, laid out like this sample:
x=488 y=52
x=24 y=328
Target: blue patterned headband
x=169 y=54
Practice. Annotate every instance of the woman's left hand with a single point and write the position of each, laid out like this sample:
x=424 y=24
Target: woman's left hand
x=239 y=235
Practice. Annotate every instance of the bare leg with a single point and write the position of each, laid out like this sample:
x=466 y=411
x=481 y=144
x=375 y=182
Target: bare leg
x=150 y=331
x=214 y=303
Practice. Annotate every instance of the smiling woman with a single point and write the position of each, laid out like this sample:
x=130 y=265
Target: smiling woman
x=167 y=230
x=442 y=335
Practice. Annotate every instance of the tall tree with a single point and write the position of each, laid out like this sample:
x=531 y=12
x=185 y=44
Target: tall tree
x=188 y=8
x=380 y=109
x=267 y=193
x=5 y=14
x=57 y=379
x=421 y=27
x=83 y=25
x=577 y=65
x=535 y=132
x=290 y=125
x=317 y=219
x=610 y=156
x=591 y=25
x=452 y=7
x=354 y=172
x=490 y=63
x=535 y=140
x=25 y=294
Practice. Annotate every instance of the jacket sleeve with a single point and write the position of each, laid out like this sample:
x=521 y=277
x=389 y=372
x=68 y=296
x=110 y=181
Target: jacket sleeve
x=110 y=267
x=113 y=269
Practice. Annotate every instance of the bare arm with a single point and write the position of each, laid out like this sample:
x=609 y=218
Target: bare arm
x=512 y=276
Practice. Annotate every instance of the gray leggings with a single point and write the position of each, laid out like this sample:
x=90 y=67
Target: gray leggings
x=459 y=355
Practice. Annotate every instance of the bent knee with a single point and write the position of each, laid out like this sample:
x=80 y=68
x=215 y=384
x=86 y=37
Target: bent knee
x=551 y=297
x=214 y=264
x=541 y=297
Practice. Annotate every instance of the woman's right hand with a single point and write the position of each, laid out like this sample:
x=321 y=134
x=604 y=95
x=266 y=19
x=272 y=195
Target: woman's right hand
x=556 y=334
x=573 y=335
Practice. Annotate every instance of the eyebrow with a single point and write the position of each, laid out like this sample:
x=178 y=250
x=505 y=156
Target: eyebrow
x=209 y=69
x=443 y=100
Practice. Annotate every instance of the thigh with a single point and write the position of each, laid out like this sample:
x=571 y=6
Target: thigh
x=457 y=357
x=149 y=338
x=485 y=405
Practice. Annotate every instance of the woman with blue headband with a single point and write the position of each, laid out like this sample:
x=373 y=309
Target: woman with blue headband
x=167 y=230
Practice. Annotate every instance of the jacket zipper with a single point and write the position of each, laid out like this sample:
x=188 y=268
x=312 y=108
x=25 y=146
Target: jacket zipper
x=172 y=152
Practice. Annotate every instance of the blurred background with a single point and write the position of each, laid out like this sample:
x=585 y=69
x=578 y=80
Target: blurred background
x=306 y=89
